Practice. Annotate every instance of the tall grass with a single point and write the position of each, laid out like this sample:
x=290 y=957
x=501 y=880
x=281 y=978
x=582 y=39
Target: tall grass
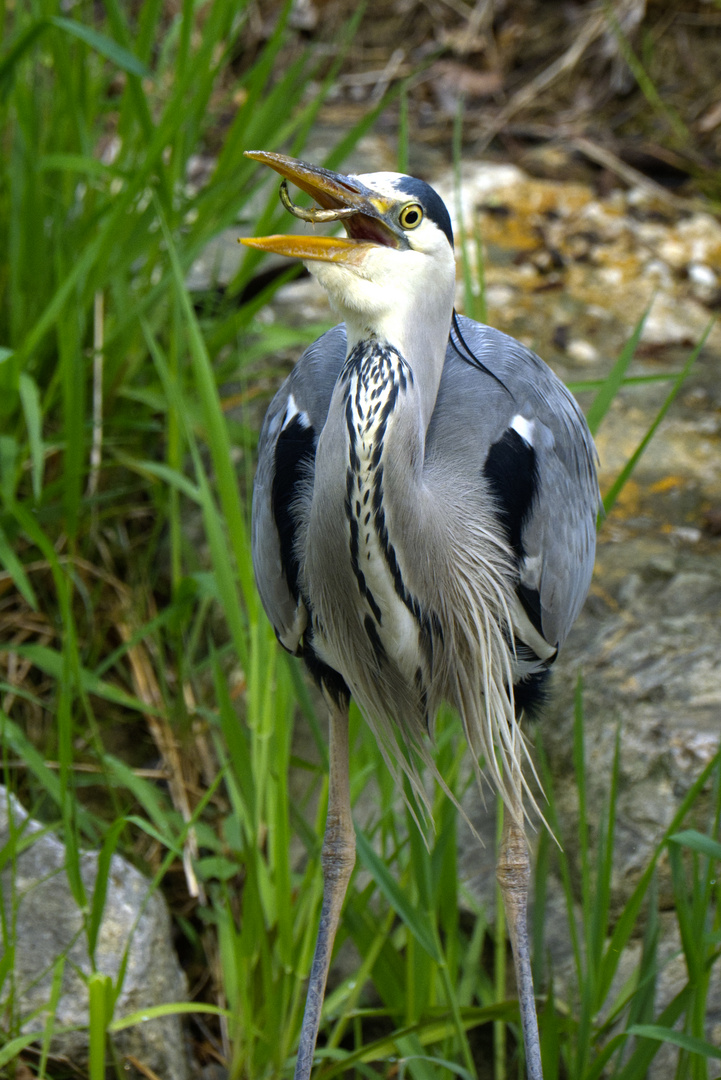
x=127 y=602
x=114 y=437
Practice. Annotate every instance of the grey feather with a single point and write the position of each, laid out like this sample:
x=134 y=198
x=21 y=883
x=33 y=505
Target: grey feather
x=472 y=412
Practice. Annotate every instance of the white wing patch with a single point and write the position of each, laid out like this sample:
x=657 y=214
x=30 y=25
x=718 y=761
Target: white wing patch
x=524 y=428
x=292 y=411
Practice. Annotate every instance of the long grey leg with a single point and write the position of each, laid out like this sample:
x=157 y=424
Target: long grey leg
x=338 y=859
x=514 y=871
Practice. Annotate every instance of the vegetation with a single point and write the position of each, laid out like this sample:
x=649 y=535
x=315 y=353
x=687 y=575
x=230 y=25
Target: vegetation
x=145 y=707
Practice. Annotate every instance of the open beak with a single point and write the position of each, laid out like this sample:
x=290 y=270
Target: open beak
x=361 y=210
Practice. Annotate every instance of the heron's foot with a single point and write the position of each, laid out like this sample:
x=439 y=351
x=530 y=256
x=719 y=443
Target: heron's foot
x=514 y=872
x=338 y=859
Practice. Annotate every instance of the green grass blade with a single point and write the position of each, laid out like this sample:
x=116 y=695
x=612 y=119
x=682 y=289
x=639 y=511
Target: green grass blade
x=415 y=920
x=237 y=743
x=683 y=902
x=52 y=663
x=615 y=378
x=17 y=50
x=625 y=923
x=147 y=795
x=643 y=1054
x=222 y=563
x=56 y=987
x=100 y=891
x=645 y=82
x=696 y=841
x=16 y=570
x=676 y=1038
x=30 y=399
x=215 y=430
x=602 y=884
x=174 y=1008
x=108 y=48
x=100 y=1013
x=579 y=765
x=428 y=1031
x=614 y=491
x=12 y=1049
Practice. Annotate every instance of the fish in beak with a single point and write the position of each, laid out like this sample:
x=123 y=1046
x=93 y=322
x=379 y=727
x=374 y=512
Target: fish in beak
x=365 y=214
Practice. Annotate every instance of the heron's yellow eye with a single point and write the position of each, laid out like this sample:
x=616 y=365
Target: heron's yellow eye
x=411 y=216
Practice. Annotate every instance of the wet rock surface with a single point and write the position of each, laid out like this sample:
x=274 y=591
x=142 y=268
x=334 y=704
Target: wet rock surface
x=48 y=924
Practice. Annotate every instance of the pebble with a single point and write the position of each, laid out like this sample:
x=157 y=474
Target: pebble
x=583 y=352
x=704 y=282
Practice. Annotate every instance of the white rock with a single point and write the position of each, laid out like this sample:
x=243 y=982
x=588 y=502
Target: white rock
x=583 y=352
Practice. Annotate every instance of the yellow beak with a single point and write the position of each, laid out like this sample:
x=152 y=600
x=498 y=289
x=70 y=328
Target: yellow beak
x=332 y=191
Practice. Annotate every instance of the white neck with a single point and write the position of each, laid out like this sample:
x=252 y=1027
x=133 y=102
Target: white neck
x=403 y=298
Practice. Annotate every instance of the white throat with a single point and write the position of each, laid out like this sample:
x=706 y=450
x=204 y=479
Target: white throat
x=400 y=297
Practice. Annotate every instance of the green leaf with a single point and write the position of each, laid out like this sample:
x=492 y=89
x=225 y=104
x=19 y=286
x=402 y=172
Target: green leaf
x=149 y=798
x=34 y=422
x=417 y=921
x=215 y=866
x=676 y=1038
x=13 y=737
x=12 y=1049
x=431 y=1030
x=697 y=841
x=77 y=163
x=51 y=662
x=156 y=834
x=100 y=1011
x=170 y=476
x=52 y=1008
x=620 y=481
x=103 y=45
x=16 y=51
x=16 y=570
x=615 y=378
x=176 y=1008
x=102 y=877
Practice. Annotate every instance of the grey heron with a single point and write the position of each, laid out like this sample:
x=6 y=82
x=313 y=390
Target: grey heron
x=424 y=519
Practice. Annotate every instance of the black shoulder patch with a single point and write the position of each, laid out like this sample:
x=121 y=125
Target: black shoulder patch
x=431 y=202
x=512 y=473
x=294 y=451
x=531 y=694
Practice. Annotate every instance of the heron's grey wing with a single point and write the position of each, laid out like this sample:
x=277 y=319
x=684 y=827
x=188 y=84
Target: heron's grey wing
x=286 y=462
x=503 y=413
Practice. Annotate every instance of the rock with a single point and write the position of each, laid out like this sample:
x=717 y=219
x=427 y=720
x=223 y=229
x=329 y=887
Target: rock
x=651 y=673
x=583 y=352
x=667 y=324
x=48 y=924
x=704 y=283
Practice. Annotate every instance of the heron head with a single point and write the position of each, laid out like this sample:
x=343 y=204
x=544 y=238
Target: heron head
x=394 y=267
